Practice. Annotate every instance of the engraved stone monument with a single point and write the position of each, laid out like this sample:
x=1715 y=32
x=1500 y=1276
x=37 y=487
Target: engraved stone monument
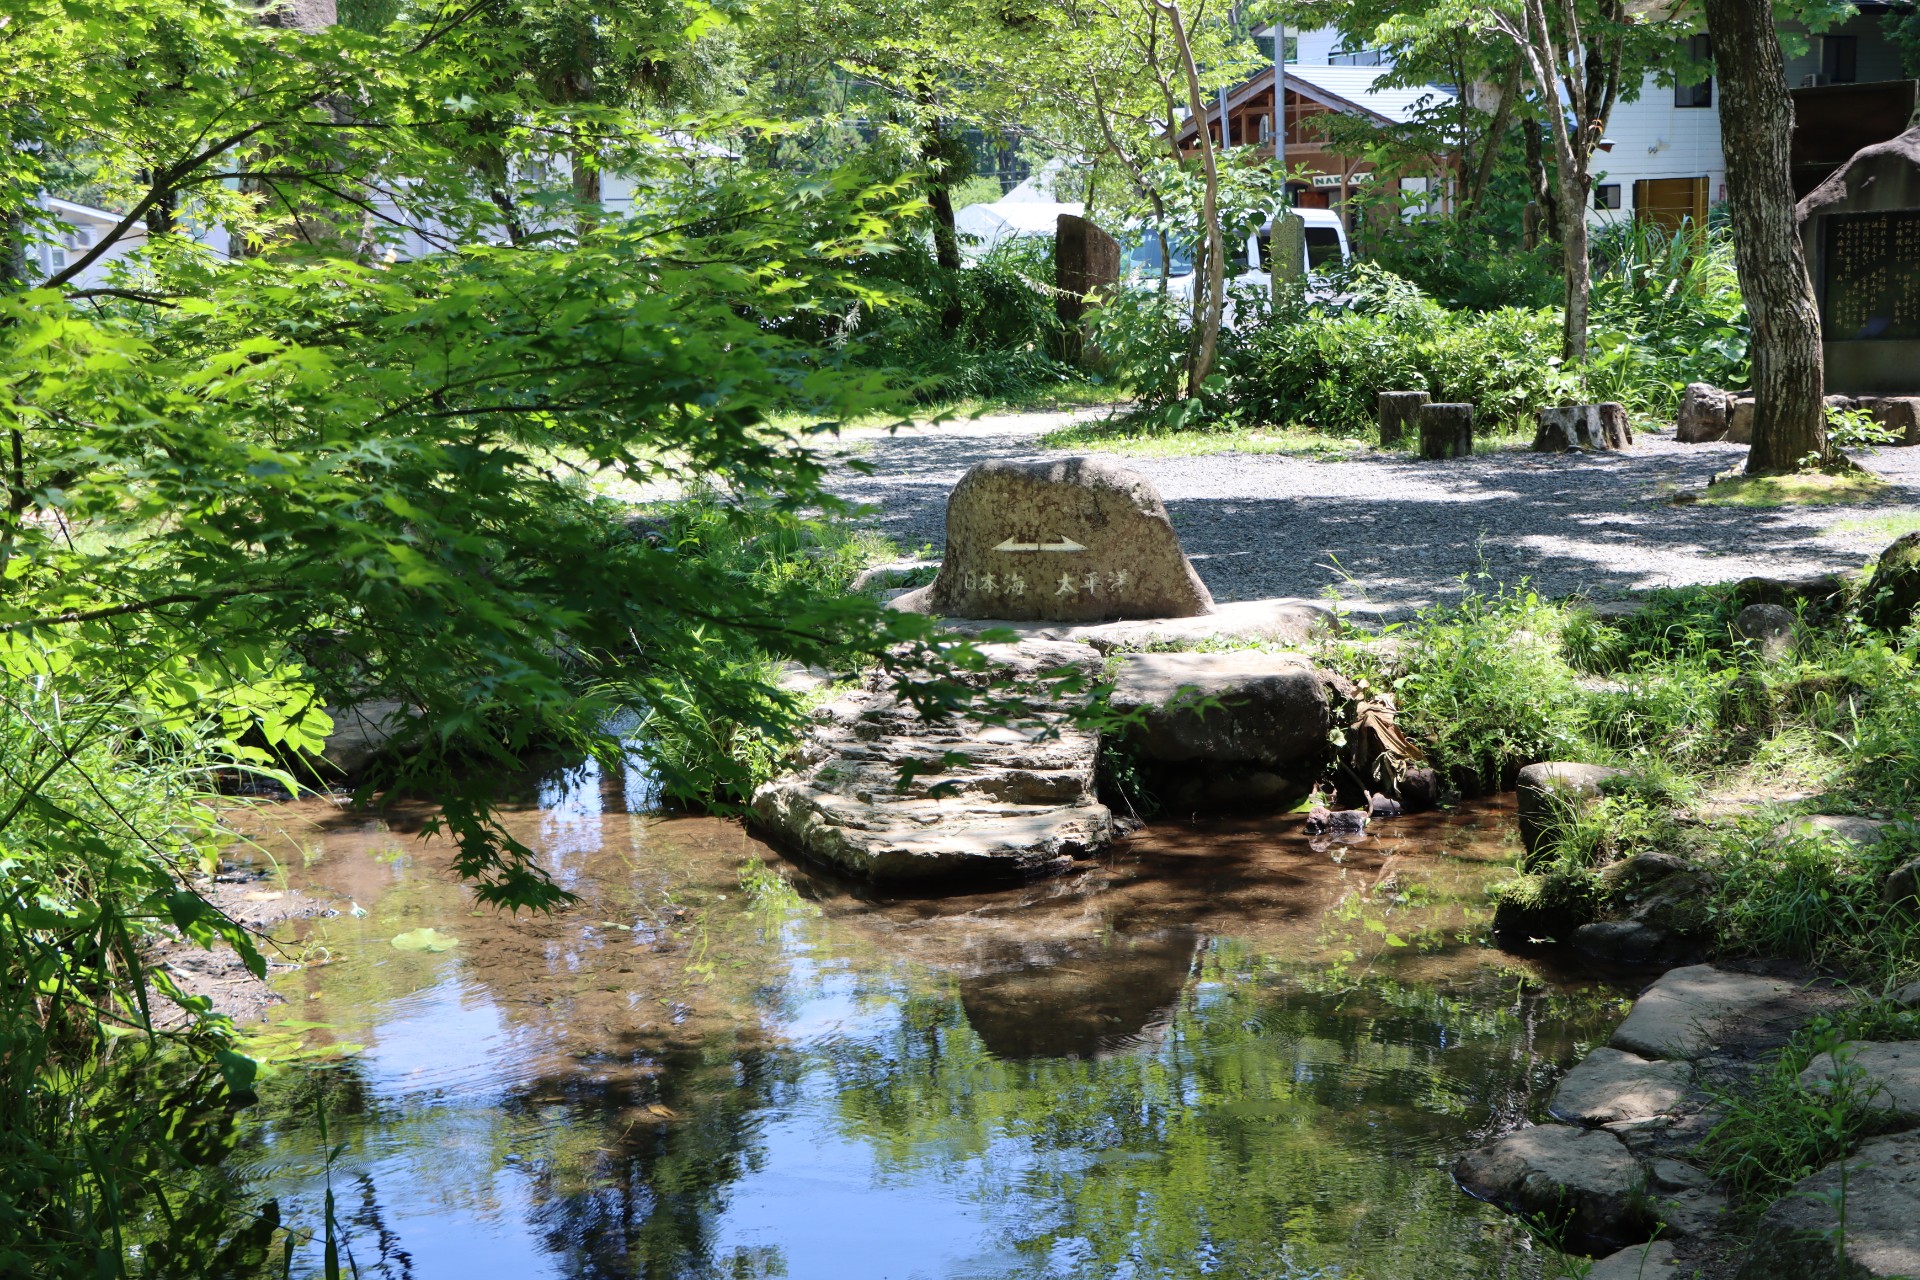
x=1068 y=540
x=1861 y=230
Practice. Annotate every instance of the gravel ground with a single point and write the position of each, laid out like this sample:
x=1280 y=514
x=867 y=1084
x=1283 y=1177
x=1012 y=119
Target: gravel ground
x=1399 y=533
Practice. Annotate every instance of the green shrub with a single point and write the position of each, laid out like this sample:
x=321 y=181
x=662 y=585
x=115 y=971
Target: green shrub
x=1486 y=687
x=1775 y=1131
x=1007 y=337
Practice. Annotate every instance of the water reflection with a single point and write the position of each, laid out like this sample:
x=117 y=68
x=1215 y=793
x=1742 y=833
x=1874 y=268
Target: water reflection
x=1220 y=1052
x=1079 y=999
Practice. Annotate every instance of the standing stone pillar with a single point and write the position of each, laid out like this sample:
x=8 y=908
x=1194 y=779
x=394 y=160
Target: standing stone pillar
x=1446 y=431
x=1086 y=262
x=1399 y=410
x=1287 y=253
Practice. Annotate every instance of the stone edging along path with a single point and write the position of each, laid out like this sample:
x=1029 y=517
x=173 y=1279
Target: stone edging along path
x=1617 y=1174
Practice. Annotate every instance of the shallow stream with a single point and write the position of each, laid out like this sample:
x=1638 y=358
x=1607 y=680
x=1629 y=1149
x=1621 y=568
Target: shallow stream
x=1222 y=1051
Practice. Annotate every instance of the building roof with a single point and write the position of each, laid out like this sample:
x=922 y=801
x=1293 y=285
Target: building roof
x=1358 y=90
x=1354 y=91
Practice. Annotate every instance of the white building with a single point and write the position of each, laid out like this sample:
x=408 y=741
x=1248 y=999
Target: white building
x=1663 y=158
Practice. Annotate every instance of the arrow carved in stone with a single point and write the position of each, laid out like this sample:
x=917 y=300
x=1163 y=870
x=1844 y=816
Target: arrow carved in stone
x=1064 y=544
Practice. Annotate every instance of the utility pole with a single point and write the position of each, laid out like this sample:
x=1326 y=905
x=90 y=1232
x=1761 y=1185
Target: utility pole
x=1280 y=108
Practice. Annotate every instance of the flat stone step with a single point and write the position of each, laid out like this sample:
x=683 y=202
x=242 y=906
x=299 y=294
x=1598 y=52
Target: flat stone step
x=1021 y=804
x=1797 y=1237
x=1611 y=1085
x=1690 y=1010
x=1884 y=1075
x=1582 y=1181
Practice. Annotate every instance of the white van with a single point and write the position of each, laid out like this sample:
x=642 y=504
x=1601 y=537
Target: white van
x=1247 y=262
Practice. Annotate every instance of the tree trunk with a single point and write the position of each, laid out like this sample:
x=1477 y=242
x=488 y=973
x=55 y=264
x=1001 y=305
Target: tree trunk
x=1548 y=219
x=1490 y=147
x=946 y=233
x=1207 y=323
x=1756 y=126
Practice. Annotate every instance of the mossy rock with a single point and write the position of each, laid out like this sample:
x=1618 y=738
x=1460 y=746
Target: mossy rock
x=1894 y=590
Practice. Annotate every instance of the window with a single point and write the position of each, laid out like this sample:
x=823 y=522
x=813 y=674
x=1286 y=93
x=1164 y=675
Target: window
x=1840 y=59
x=1323 y=247
x=1700 y=53
x=1606 y=196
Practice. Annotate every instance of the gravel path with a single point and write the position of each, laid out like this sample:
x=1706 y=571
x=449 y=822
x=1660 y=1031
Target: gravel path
x=1399 y=533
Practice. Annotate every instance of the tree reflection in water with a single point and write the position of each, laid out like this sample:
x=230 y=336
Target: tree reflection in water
x=1223 y=1053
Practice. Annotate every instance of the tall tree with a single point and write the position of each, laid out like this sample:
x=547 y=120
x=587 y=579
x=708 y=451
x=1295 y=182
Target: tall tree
x=1756 y=129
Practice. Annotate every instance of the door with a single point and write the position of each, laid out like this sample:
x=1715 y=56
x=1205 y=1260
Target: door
x=1668 y=202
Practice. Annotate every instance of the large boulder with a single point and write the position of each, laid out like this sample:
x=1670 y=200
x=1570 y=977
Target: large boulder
x=1894 y=590
x=1703 y=414
x=1022 y=803
x=1241 y=725
x=1610 y=1086
x=1583 y=1182
x=1547 y=793
x=1687 y=1011
x=1884 y=1076
x=1067 y=540
x=1803 y=1236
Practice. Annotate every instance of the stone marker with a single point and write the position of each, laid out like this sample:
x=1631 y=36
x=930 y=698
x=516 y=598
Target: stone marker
x=1399 y=411
x=1446 y=431
x=1861 y=231
x=1581 y=426
x=1287 y=254
x=1086 y=264
x=1069 y=540
x=1704 y=410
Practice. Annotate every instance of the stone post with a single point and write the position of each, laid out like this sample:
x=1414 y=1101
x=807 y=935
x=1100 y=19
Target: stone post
x=1399 y=410
x=1446 y=431
x=1086 y=262
x=1287 y=253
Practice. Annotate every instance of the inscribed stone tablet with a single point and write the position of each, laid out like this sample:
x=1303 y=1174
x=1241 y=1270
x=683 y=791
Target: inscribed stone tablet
x=1072 y=540
x=1872 y=276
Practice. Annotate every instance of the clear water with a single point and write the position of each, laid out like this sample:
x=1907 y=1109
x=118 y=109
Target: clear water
x=1222 y=1052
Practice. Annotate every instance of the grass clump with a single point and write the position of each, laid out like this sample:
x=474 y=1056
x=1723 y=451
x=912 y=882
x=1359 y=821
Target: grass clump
x=1777 y=1130
x=1808 y=488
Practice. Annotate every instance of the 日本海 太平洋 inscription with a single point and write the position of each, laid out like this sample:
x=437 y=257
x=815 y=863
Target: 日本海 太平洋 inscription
x=1871 y=271
x=1074 y=540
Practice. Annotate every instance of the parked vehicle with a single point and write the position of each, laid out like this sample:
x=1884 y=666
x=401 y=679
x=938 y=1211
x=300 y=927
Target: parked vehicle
x=1248 y=260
